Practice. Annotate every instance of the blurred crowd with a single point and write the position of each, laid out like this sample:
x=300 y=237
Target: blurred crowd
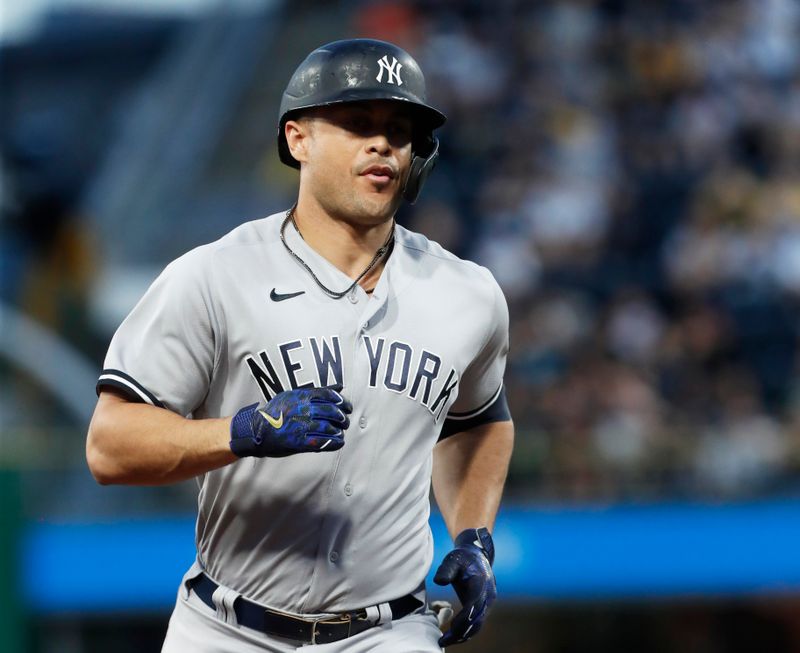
x=629 y=172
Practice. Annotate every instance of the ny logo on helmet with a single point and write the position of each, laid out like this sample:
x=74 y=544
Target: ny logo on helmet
x=392 y=70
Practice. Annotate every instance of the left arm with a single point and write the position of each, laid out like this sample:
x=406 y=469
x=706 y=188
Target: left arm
x=469 y=471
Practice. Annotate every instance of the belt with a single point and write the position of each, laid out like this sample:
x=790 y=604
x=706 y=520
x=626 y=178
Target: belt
x=307 y=631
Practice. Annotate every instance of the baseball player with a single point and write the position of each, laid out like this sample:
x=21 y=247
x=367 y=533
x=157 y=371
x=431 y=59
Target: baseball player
x=316 y=371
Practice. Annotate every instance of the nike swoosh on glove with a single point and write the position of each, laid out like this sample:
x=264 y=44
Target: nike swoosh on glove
x=468 y=568
x=294 y=421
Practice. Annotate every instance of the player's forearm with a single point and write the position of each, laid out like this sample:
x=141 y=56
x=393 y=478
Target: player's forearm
x=139 y=444
x=469 y=472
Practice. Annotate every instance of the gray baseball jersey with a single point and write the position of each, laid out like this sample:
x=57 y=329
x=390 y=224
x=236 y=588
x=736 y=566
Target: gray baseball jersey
x=239 y=320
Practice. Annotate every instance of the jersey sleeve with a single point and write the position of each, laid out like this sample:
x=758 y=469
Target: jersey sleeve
x=481 y=396
x=165 y=351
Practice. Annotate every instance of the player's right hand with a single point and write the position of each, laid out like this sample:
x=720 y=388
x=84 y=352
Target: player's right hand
x=294 y=421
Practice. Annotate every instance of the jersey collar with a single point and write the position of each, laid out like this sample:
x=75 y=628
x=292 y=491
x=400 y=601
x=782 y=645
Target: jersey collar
x=332 y=276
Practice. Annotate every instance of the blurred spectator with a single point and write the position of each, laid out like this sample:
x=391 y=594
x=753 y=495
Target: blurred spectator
x=48 y=246
x=742 y=451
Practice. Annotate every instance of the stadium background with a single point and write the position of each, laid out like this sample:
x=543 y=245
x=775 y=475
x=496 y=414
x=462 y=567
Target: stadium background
x=629 y=172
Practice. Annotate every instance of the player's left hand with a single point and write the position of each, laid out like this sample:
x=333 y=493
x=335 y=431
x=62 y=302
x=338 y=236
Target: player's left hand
x=468 y=568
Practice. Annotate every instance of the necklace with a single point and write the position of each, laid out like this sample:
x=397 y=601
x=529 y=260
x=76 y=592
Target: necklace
x=332 y=293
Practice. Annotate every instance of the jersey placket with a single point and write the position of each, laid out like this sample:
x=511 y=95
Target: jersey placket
x=350 y=479
x=335 y=563
x=360 y=311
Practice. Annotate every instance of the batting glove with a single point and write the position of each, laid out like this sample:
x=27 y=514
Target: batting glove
x=468 y=568
x=294 y=421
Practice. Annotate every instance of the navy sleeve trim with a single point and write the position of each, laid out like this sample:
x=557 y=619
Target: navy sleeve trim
x=479 y=409
x=135 y=390
x=496 y=410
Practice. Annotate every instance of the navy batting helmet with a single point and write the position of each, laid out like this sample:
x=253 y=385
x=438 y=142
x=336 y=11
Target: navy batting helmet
x=355 y=70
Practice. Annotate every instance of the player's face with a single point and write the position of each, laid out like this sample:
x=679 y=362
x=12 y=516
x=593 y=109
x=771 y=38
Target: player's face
x=358 y=158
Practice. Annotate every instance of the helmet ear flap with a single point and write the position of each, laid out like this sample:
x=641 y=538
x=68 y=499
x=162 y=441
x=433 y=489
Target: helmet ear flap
x=421 y=167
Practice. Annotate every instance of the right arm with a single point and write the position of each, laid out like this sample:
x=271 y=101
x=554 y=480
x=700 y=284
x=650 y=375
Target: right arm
x=139 y=444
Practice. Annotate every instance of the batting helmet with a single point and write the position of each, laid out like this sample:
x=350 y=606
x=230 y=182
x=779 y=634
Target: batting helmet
x=365 y=69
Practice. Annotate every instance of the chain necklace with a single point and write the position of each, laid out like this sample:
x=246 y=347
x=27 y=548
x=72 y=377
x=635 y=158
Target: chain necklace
x=332 y=293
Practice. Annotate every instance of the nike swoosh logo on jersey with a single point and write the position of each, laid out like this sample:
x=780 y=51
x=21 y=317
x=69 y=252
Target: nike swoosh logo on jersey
x=274 y=423
x=279 y=297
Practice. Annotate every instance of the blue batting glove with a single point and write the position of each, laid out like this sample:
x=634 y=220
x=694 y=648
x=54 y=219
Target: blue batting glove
x=468 y=568
x=294 y=421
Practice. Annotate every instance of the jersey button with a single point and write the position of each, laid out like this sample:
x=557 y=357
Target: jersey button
x=348 y=489
x=334 y=556
x=362 y=422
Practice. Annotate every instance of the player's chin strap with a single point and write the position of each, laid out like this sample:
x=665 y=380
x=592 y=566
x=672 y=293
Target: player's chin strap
x=421 y=167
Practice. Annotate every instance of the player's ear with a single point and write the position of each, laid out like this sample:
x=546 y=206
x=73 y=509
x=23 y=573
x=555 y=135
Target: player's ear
x=298 y=135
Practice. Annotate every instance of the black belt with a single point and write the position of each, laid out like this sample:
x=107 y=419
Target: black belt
x=307 y=631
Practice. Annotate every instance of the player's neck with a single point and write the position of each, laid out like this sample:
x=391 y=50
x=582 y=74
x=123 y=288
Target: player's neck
x=350 y=247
